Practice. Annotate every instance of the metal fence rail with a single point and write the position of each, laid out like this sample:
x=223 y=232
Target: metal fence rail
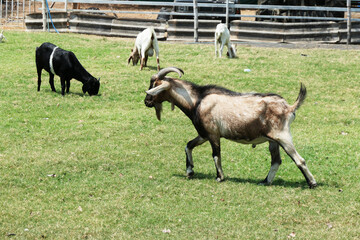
x=212 y=5
x=14 y=10
x=10 y=9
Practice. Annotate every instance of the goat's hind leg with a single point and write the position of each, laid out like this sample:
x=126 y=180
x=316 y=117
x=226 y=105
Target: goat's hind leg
x=216 y=48
x=275 y=162
x=215 y=145
x=221 y=49
x=39 y=69
x=288 y=146
x=51 y=82
x=229 y=50
x=188 y=151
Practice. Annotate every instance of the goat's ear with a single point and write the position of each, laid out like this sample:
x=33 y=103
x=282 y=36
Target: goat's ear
x=99 y=79
x=129 y=59
x=156 y=90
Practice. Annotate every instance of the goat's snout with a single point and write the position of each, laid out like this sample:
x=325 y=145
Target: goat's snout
x=149 y=101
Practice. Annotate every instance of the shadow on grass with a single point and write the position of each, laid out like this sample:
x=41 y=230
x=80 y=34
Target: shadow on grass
x=80 y=94
x=277 y=182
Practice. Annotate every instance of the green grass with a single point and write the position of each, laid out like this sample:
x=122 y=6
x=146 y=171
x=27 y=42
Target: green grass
x=103 y=167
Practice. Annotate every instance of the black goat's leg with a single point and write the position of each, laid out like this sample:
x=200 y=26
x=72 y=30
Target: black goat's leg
x=51 y=81
x=188 y=151
x=62 y=80
x=39 y=69
x=67 y=86
x=275 y=162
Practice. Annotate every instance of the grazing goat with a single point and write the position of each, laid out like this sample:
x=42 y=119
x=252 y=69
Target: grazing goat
x=216 y=112
x=222 y=38
x=64 y=64
x=145 y=44
x=2 y=36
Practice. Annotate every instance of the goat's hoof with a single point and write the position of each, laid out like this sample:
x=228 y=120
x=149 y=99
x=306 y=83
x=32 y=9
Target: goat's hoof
x=264 y=182
x=218 y=179
x=190 y=174
x=312 y=185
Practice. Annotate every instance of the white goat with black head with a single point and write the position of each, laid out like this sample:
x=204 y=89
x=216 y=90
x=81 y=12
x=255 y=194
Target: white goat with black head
x=145 y=44
x=216 y=112
x=222 y=38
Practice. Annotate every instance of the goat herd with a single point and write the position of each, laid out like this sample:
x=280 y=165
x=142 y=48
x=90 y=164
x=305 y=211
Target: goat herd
x=216 y=112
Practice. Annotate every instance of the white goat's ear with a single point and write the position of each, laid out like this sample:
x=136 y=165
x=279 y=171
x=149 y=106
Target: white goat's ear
x=156 y=90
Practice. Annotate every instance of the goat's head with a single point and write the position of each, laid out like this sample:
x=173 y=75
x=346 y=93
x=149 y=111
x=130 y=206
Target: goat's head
x=158 y=88
x=91 y=86
x=134 y=56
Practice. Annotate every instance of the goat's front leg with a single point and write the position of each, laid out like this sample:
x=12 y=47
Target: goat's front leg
x=142 y=60
x=275 y=162
x=145 y=60
x=288 y=146
x=67 y=86
x=215 y=145
x=188 y=151
x=62 y=80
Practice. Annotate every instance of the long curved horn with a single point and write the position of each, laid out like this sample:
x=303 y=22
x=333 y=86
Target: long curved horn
x=162 y=73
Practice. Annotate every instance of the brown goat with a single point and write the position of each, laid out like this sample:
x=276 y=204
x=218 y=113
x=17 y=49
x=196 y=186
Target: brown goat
x=248 y=118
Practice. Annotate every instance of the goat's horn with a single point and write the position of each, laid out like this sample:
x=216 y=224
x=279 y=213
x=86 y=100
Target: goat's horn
x=162 y=73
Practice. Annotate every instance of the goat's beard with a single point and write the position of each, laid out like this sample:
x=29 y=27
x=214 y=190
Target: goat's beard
x=158 y=108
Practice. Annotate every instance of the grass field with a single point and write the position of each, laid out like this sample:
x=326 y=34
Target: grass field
x=103 y=167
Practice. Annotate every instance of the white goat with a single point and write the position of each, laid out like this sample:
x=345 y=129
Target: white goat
x=2 y=36
x=145 y=44
x=222 y=38
x=248 y=118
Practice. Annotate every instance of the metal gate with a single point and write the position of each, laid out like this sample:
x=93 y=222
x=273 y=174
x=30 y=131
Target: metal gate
x=13 y=13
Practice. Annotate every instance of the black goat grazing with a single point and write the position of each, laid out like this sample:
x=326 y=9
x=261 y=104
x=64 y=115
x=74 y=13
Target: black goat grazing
x=248 y=118
x=64 y=64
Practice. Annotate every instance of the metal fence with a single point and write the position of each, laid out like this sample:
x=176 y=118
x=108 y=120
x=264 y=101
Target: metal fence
x=13 y=11
x=229 y=5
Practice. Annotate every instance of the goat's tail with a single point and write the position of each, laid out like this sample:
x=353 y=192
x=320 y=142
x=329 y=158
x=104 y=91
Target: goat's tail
x=301 y=97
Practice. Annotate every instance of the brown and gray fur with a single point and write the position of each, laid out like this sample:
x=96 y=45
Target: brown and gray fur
x=216 y=112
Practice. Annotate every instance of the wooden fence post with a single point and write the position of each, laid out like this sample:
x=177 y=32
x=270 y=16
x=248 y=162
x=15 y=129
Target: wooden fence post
x=348 y=4
x=196 y=22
